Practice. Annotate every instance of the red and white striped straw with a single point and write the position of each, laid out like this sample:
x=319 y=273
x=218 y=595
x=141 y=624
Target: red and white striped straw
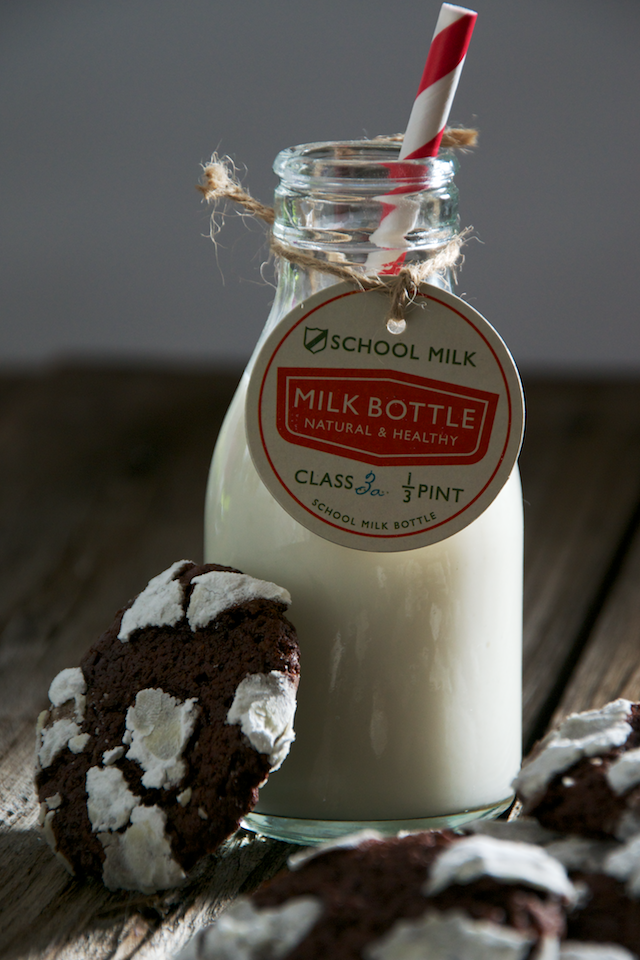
x=439 y=82
x=424 y=131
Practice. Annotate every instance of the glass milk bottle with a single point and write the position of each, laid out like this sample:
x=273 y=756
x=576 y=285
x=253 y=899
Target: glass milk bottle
x=409 y=707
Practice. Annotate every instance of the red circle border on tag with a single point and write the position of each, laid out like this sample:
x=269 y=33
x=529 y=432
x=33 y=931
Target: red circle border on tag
x=391 y=536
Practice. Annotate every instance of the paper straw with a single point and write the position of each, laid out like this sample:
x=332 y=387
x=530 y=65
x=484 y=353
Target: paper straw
x=426 y=125
x=439 y=82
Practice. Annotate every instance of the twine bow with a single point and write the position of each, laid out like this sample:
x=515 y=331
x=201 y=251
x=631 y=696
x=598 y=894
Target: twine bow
x=220 y=182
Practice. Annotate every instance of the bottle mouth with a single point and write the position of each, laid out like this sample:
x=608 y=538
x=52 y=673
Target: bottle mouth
x=373 y=163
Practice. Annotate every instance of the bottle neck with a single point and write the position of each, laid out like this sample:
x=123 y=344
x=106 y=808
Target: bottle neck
x=356 y=205
x=349 y=201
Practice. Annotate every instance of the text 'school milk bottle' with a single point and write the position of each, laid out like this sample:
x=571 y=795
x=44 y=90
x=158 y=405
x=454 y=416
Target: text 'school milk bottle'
x=409 y=707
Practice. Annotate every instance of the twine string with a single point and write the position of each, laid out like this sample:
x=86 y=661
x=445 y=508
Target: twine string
x=220 y=182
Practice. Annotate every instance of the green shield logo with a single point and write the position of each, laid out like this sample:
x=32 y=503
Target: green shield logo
x=315 y=339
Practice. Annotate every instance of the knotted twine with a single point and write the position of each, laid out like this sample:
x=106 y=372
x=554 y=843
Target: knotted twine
x=222 y=183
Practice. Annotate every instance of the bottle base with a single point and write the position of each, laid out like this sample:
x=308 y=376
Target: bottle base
x=312 y=832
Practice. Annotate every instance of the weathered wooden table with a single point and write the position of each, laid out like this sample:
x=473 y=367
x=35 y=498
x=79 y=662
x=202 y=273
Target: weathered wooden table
x=102 y=476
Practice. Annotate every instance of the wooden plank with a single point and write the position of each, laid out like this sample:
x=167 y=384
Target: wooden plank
x=44 y=912
x=610 y=663
x=103 y=460
x=581 y=480
x=102 y=485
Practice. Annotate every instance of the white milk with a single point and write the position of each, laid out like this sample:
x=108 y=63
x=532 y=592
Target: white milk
x=409 y=704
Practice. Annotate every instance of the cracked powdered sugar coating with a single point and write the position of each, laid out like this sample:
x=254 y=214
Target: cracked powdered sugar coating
x=264 y=705
x=443 y=936
x=628 y=826
x=624 y=772
x=69 y=685
x=246 y=933
x=159 y=727
x=580 y=735
x=110 y=756
x=581 y=853
x=517 y=863
x=624 y=865
x=54 y=739
x=78 y=743
x=45 y=819
x=159 y=604
x=140 y=858
x=109 y=800
x=217 y=591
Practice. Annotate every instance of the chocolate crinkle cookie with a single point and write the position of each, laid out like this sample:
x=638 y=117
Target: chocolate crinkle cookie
x=606 y=915
x=584 y=776
x=155 y=746
x=603 y=923
x=425 y=895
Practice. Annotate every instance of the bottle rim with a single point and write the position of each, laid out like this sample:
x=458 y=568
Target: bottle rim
x=368 y=164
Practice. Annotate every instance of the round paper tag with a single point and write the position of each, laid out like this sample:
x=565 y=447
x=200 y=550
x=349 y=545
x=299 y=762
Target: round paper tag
x=384 y=442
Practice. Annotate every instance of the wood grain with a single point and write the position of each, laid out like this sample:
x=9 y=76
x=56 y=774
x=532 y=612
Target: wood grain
x=581 y=482
x=102 y=484
x=102 y=475
x=609 y=666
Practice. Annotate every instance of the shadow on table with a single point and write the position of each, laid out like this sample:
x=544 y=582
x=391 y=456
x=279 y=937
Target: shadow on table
x=45 y=910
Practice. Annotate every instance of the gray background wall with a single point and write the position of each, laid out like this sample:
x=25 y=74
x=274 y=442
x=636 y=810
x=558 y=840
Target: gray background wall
x=109 y=106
